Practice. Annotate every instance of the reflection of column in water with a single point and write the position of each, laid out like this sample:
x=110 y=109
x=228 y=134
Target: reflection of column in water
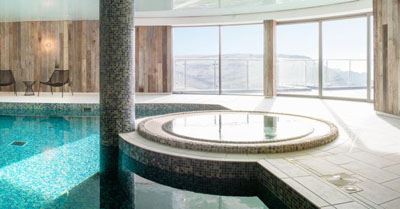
x=270 y=126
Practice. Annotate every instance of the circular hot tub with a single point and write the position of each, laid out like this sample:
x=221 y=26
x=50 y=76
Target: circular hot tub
x=238 y=132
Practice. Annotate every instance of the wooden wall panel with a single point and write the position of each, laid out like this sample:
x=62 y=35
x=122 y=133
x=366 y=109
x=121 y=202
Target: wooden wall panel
x=83 y=54
x=33 y=49
x=387 y=55
x=153 y=59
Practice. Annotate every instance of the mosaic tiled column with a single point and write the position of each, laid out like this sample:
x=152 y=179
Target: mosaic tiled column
x=117 y=87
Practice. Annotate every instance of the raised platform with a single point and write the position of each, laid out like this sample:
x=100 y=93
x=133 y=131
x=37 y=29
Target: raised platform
x=245 y=132
x=275 y=176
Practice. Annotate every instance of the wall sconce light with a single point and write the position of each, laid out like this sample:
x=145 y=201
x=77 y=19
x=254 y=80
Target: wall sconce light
x=48 y=45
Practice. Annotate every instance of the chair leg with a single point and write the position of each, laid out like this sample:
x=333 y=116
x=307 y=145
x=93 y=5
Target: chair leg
x=72 y=91
x=15 y=89
x=62 y=91
x=38 y=92
x=51 y=89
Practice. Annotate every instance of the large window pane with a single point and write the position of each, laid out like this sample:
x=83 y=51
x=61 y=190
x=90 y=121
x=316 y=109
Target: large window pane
x=345 y=58
x=297 y=51
x=196 y=62
x=242 y=59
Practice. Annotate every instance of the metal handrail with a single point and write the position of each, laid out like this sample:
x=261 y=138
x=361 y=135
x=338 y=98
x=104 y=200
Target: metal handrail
x=215 y=67
x=247 y=61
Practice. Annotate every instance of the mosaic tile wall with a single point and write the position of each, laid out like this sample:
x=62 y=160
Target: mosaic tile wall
x=141 y=110
x=286 y=194
x=244 y=175
x=50 y=109
x=193 y=167
x=199 y=184
x=149 y=109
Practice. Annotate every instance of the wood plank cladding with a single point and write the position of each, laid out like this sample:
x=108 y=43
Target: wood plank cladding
x=33 y=49
x=387 y=55
x=153 y=59
x=270 y=89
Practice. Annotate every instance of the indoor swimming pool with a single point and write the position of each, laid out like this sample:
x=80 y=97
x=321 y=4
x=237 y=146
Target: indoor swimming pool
x=53 y=162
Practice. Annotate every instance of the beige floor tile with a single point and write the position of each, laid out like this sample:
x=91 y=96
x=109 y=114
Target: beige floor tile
x=377 y=193
x=393 y=157
x=370 y=172
x=351 y=205
x=365 y=201
x=323 y=167
x=325 y=191
x=288 y=168
x=339 y=159
x=306 y=193
x=371 y=159
x=394 y=169
x=394 y=204
x=395 y=184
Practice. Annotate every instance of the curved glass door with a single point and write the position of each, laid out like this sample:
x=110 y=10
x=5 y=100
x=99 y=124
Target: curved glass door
x=297 y=56
x=242 y=65
x=196 y=60
x=345 y=68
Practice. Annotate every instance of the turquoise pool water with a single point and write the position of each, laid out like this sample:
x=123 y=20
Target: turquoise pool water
x=59 y=154
x=57 y=167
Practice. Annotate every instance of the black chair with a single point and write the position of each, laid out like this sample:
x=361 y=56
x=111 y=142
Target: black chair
x=59 y=78
x=7 y=79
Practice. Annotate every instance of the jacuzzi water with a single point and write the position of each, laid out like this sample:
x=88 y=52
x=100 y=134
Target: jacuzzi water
x=58 y=163
x=239 y=127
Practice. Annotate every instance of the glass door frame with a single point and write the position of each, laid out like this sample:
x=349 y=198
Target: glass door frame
x=219 y=73
x=370 y=68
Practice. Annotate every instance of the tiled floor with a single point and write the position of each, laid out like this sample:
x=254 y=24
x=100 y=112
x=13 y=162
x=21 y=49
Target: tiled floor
x=367 y=150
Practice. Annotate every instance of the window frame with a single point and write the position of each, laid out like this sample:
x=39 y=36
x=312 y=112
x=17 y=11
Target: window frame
x=219 y=73
x=370 y=56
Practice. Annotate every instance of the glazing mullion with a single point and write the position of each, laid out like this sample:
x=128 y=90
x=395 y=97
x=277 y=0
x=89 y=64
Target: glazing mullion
x=369 y=57
x=219 y=62
x=320 y=60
